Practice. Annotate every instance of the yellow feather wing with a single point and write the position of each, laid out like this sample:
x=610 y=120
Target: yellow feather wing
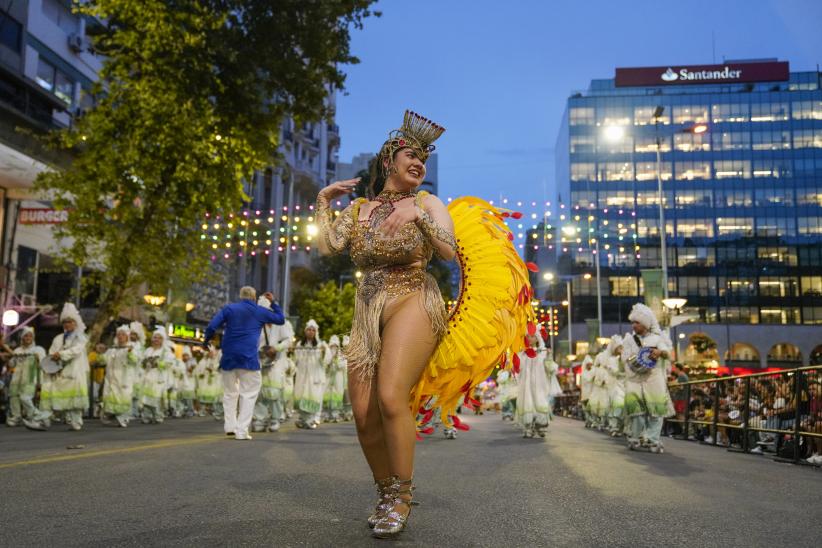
x=492 y=311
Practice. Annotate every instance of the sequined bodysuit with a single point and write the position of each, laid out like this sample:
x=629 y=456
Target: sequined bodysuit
x=392 y=268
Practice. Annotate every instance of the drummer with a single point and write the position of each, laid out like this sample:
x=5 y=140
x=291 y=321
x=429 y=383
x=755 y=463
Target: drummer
x=26 y=362
x=67 y=389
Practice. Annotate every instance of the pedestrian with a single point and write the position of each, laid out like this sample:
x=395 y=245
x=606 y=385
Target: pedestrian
x=335 y=371
x=121 y=360
x=157 y=361
x=309 y=384
x=646 y=352
x=533 y=410
x=269 y=411
x=242 y=323
x=66 y=390
x=25 y=359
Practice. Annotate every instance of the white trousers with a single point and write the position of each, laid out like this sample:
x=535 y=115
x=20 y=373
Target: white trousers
x=240 y=390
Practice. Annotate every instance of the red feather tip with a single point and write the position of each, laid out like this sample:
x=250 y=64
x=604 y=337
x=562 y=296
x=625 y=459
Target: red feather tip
x=532 y=267
x=531 y=353
x=458 y=424
x=505 y=214
x=510 y=237
x=429 y=430
x=419 y=438
x=516 y=215
x=532 y=328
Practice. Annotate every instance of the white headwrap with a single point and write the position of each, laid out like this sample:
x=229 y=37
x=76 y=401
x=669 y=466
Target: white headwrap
x=312 y=323
x=644 y=315
x=123 y=329
x=614 y=343
x=334 y=340
x=162 y=332
x=137 y=327
x=186 y=350
x=265 y=303
x=25 y=330
x=70 y=312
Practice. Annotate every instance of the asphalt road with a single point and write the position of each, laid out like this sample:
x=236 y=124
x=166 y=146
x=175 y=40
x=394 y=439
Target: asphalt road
x=184 y=484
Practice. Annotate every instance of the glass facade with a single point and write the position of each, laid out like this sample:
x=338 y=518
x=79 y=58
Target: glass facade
x=743 y=200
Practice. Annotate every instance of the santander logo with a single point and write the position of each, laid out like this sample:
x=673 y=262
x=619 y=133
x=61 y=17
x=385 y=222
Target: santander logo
x=669 y=75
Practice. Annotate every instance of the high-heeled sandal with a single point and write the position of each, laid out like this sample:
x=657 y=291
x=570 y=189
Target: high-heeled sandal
x=393 y=523
x=385 y=502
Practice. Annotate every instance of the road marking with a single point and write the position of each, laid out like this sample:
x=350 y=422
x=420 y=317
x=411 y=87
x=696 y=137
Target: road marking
x=104 y=452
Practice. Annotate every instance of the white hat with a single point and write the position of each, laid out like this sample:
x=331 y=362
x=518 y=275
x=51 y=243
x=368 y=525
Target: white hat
x=334 y=341
x=265 y=303
x=70 y=312
x=614 y=343
x=25 y=330
x=137 y=327
x=315 y=325
x=162 y=332
x=186 y=350
x=123 y=329
x=645 y=316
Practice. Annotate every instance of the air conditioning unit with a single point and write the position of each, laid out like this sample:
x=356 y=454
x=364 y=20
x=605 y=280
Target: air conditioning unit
x=76 y=42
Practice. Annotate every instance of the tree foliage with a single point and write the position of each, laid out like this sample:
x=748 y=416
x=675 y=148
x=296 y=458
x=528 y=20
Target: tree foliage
x=189 y=104
x=330 y=305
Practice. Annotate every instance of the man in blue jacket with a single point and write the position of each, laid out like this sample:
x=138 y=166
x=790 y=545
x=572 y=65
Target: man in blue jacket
x=242 y=321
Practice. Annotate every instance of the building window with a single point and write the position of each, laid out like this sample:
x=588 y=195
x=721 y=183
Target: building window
x=701 y=286
x=646 y=171
x=771 y=140
x=618 y=198
x=780 y=315
x=730 y=197
x=688 y=171
x=583 y=171
x=734 y=227
x=644 y=116
x=731 y=140
x=696 y=197
x=778 y=286
x=697 y=114
x=690 y=142
x=772 y=167
x=581 y=116
x=807 y=110
x=769 y=112
x=807 y=138
x=695 y=228
x=651 y=198
x=615 y=171
x=45 y=74
x=730 y=169
x=613 y=116
x=811 y=286
x=735 y=255
x=582 y=144
x=730 y=112
x=812 y=315
x=648 y=144
x=649 y=228
x=809 y=196
x=772 y=227
x=61 y=16
x=55 y=81
x=739 y=314
x=583 y=199
x=785 y=256
x=774 y=196
x=623 y=286
x=10 y=32
x=696 y=256
x=809 y=225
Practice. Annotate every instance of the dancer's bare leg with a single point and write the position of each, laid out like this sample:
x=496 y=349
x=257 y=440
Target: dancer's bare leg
x=368 y=420
x=407 y=345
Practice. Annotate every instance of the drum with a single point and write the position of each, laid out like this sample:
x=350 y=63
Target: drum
x=642 y=362
x=51 y=366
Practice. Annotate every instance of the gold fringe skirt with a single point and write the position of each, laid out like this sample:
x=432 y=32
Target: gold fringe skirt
x=376 y=287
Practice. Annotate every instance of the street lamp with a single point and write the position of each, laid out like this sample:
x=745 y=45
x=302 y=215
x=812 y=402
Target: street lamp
x=11 y=318
x=674 y=305
x=662 y=234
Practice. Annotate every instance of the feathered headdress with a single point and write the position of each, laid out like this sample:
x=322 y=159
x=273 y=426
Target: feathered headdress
x=417 y=133
x=70 y=312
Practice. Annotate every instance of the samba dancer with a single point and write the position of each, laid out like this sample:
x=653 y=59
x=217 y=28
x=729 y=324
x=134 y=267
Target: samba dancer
x=399 y=314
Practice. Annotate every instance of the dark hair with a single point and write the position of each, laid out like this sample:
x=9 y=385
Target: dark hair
x=304 y=339
x=376 y=180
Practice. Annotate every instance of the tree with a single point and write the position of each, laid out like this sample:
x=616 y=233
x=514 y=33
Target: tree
x=189 y=104
x=330 y=306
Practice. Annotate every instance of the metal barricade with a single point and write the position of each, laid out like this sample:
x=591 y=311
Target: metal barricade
x=777 y=412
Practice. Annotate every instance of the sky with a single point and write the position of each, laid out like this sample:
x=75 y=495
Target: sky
x=497 y=74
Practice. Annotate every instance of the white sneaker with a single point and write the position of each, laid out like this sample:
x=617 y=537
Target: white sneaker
x=709 y=440
x=756 y=450
x=244 y=437
x=274 y=427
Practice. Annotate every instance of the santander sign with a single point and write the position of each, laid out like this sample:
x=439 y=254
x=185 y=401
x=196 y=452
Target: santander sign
x=769 y=71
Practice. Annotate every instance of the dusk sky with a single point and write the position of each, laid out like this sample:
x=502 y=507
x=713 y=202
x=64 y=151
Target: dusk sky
x=497 y=74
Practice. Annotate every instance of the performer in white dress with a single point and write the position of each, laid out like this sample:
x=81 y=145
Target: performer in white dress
x=118 y=389
x=310 y=382
x=533 y=411
x=23 y=386
x=269 y=411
